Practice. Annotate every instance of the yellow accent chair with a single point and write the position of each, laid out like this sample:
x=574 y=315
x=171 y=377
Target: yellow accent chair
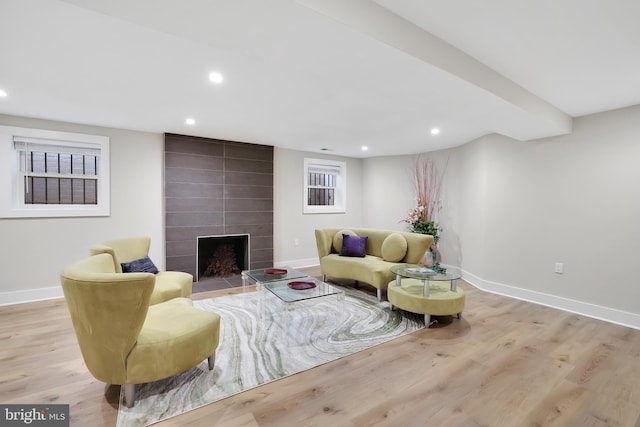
x=125 y=340
x=169 y=284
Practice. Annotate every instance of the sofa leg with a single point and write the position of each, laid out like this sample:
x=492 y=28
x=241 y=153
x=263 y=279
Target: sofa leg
x=211 y=360
x=379 y=295
x=129 y=395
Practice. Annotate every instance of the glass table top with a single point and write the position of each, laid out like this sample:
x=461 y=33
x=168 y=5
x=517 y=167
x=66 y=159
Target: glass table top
x=417 y=271
x=263 y=275
x=282 y=289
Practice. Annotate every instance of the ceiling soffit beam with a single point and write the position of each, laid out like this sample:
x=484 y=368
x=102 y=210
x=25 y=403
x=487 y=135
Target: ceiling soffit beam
x=377 y=22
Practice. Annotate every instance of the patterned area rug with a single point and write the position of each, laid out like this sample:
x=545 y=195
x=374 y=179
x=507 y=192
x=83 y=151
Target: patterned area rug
x=263 y=339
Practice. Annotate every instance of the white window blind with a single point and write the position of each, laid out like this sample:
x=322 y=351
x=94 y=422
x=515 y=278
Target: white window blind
x=21 y=143
x=55 y=173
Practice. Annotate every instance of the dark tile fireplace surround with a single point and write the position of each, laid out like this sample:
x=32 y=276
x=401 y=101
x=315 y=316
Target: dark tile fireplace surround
x=216 y=188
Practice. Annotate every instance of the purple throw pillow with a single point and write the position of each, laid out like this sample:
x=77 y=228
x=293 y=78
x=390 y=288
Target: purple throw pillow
x=353 y=245
x=142 y=265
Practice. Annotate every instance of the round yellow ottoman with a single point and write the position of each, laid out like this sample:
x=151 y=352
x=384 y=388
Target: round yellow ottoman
x=442 y=301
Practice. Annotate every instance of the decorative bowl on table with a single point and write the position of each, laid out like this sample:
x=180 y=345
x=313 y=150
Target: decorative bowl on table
x=300 y=285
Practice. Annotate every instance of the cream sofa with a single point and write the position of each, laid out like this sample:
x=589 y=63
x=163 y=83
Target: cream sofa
x=384 y=248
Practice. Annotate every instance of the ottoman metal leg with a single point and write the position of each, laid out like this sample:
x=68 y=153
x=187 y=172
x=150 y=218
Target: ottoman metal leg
x=428 y=322
x=129 y=395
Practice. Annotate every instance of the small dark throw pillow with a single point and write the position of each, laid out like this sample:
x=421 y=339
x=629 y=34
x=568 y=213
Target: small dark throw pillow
x=353 y=245
x=142 y=265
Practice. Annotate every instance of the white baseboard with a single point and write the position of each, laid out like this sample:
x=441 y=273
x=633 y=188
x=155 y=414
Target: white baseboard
x=607 y=314
x=298 y=263
x=30 y=295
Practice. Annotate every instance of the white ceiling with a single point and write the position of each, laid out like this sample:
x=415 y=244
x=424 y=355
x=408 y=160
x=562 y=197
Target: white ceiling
x=313 y=74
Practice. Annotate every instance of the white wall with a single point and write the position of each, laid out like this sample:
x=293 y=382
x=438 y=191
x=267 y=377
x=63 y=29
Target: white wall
x=463 y=241
x=570 y=199
x=33 y=251
x=387 y=193
x=289 y=221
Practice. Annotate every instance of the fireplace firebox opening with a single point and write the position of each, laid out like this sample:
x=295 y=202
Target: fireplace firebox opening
x=222 y=256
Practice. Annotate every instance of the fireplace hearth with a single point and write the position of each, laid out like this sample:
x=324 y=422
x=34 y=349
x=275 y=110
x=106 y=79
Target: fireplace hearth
x=222 y=256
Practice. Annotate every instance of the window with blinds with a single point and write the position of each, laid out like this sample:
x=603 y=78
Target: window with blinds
x=53 y=173
x=322 y=188
x=325 y=186
x=58 y=174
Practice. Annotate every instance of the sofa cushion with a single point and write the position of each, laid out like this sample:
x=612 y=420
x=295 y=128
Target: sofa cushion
x=370 y=269
x=353 y=246
x=394 y=247
x=337 y=239
x=142 y=265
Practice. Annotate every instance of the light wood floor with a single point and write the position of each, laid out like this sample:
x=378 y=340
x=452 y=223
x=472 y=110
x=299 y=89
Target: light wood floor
x=505 y=363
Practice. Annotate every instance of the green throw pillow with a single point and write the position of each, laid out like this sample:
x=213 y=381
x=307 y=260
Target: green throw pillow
x=394 y=247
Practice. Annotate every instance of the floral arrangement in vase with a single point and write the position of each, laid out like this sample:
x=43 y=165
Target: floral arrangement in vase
x=427 y=180
x=419 y=224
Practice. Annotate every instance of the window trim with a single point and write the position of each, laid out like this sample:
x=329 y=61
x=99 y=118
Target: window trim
x=11 y=177
x=340 y=205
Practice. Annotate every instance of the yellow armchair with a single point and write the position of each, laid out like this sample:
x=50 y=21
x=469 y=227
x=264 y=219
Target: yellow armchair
x=169 y=284
x=122 y=338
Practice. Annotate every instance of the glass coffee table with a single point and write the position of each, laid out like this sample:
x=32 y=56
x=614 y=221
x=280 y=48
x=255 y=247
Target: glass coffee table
x=287 y=292
x=288 y=284
x=294 y=292
x=261 y=276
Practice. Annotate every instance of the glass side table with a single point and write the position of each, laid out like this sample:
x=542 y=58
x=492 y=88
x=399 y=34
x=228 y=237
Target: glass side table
x=420 y=272
x=429 y=299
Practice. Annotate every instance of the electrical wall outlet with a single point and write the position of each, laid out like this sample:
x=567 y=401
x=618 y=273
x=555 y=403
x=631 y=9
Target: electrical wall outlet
x=296 y=242
x=559 y=268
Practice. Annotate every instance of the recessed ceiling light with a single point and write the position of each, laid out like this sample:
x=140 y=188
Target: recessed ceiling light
x=191 y=121
x=2 y=93
x=216 y=77
x=435 y=131
x=364 y=148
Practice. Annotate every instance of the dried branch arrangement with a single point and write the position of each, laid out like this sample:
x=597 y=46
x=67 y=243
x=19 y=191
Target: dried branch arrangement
x=427 y=180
